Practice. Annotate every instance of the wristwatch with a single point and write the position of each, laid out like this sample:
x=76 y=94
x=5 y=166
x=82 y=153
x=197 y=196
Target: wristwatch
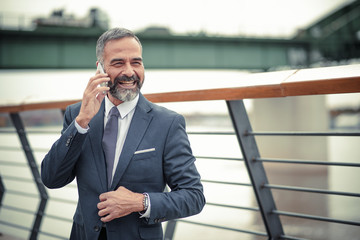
x=146 y=201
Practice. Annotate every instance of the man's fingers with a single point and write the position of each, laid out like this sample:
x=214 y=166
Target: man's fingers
x=101 y=205
x=102 y=197
x=105 y=195
x=107 y=213
x=108 y=218
x=96 y=82
x=97 y=79
x=101 y=95
x=103 y=212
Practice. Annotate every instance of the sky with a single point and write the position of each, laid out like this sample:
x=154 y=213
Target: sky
x=277 y=18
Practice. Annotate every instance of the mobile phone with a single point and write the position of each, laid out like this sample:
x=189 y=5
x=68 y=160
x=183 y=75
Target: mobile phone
x=101 y=69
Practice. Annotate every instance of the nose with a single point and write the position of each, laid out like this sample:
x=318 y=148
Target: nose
x=128 y=70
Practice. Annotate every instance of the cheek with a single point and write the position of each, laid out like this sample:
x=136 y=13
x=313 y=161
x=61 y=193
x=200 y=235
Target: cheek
x=113 y=74
x=141 y=74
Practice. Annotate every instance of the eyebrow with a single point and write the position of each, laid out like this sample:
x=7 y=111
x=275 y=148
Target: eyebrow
x=137 y=59
x=122 y=59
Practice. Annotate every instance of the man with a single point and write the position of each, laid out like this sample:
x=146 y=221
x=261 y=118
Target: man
x=121 y=182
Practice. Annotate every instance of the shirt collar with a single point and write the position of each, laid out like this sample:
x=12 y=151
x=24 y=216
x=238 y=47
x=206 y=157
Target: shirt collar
x=124 y=108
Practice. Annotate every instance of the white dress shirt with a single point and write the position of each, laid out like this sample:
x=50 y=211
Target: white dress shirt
x=126 y=110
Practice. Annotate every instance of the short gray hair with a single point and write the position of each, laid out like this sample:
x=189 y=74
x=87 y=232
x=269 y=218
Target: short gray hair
x=112 y=34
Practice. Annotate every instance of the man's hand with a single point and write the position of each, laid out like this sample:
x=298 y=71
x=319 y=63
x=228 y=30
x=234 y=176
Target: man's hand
x=119 y=203
x=92 y=98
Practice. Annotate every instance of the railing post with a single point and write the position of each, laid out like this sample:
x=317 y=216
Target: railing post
x=255 y=169
x=170 y=229
x=2 y=191
x=16 y=120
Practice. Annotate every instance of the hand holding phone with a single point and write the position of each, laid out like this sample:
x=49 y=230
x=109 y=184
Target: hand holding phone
x=101 y=70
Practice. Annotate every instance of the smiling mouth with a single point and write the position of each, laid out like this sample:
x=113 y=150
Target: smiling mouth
x=127 y=84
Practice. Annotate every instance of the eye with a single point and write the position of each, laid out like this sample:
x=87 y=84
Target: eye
x=116 y=64
x=137 y=63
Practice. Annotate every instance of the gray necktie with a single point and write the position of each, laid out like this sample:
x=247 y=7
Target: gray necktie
x=109 y=141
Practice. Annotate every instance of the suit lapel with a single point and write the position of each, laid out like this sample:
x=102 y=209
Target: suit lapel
x=96 y=132
x=137 y=129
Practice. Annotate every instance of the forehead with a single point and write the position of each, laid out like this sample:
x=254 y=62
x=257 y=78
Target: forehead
x=125 y=47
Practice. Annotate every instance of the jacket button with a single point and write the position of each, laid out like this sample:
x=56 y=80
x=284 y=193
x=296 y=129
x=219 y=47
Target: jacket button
x=96 y=228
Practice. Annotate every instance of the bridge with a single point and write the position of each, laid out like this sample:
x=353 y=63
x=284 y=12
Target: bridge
x=334 y=38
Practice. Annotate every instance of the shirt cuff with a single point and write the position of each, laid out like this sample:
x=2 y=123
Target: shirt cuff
x=147 y=212
x=81 y=129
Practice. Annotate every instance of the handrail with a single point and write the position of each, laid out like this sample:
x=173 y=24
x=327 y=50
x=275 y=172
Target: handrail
x=327 y=80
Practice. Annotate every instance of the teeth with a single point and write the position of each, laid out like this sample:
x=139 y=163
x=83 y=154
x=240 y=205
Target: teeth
x=127 y=82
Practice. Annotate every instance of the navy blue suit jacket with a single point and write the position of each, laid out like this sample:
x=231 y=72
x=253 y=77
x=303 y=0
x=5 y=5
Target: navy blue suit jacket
x=172 y=163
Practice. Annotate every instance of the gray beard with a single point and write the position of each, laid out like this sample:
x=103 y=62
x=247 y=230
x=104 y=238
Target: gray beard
x=125 y=95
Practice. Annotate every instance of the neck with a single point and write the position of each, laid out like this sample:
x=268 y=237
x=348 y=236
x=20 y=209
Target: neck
x=115 y=101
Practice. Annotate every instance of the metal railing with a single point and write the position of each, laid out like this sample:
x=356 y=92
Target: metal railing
x=269 y=220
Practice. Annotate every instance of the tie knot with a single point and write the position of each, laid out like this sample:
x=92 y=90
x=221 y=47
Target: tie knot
x=114 y=112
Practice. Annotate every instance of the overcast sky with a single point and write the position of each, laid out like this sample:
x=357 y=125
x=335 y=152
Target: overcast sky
x=227 y=17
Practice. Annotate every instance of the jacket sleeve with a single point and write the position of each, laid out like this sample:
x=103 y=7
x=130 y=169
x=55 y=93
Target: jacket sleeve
x=58 y=166
x=186 y=197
